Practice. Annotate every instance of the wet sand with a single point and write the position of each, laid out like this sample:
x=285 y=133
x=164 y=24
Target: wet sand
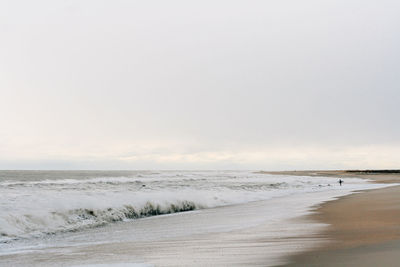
x=364 y=227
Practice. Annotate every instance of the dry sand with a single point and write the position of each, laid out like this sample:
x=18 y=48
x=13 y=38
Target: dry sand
x=364 y=227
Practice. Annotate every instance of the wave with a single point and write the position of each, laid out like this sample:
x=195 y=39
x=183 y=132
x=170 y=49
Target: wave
x=138 y=179
x=36 y=208
x=27 y=226
x=99 y=180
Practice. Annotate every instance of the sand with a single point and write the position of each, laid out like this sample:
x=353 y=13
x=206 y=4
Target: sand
x=364 y=227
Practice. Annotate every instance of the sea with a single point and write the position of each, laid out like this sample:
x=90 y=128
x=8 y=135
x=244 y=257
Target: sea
x=161 y=218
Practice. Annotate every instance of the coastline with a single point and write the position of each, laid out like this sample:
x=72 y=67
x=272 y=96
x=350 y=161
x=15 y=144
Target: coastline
x=253 y=233
x=364 y=228
x=256 y=233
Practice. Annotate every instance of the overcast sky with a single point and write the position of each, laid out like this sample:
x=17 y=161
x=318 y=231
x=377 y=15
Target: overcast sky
x=271 y=85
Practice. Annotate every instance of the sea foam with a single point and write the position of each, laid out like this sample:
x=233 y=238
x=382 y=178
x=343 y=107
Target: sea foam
x=32 y=209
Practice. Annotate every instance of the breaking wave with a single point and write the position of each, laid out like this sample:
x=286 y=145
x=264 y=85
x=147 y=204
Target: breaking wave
x=29 y=225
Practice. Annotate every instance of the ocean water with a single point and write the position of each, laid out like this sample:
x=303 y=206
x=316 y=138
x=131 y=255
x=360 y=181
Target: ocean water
x=63 y=212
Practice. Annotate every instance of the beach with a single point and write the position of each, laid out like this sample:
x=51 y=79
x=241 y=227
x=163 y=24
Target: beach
x=199 y=133
x=163 y=218
x=364 y=228
x=193 y=218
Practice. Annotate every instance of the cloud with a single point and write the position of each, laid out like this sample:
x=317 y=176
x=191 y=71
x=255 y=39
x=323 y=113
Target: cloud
x=227 y=84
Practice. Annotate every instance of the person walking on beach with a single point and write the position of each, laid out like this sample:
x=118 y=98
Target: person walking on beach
x=340 y=182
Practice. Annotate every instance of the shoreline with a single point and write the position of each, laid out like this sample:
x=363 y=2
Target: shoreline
x=376 y=177
x=252 y=233
x=192 y=239
x=240 y=246
x=364 y=227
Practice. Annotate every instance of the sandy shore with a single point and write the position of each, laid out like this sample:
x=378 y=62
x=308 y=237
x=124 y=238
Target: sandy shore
x=364 y=231
x=364 y=228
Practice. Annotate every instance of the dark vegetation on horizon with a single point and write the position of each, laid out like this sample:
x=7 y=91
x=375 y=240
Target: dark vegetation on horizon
x=373 y=171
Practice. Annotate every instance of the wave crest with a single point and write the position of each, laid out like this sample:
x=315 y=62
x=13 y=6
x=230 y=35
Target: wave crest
x=74 y=220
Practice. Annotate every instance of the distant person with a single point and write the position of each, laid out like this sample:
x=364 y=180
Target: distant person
x=340 y=182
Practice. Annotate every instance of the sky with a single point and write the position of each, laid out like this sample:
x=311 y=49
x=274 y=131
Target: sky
x=223 y=84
